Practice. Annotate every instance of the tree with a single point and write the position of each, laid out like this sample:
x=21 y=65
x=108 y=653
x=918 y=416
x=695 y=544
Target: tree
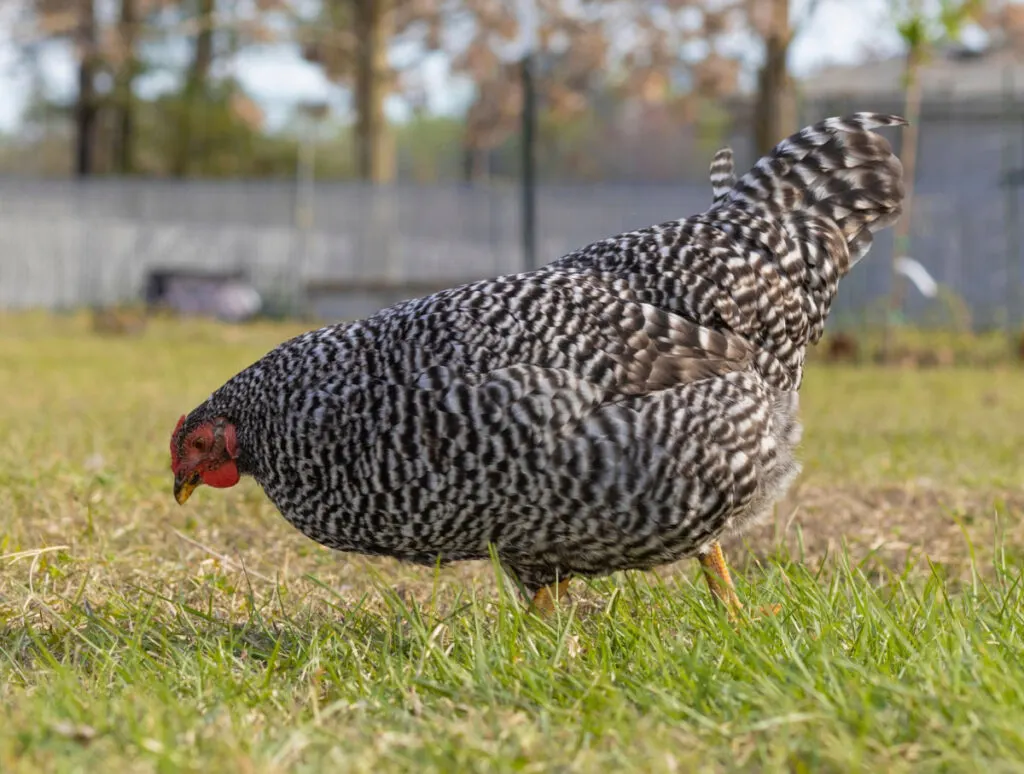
x=775 y=109
x=98 y=50
x=645 y=42
x=922 y=27
x=374 y=20
x=127 y=67
x=570 y=47
x=86 y=110
x=645 y=47
x=213 y=28
x=195 y=88
x=351 y=39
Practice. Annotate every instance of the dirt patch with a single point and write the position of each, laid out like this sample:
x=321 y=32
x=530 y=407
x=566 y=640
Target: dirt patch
x=891 y=525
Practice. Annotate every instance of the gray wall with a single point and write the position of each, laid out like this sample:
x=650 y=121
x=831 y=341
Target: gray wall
x=68 y=244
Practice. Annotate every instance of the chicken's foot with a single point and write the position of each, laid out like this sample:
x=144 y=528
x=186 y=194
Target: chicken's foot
x=544 y=601
x=716 y=572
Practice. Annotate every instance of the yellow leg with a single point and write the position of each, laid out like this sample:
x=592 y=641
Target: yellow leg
x=544 y=601
x=716 y=572
x=720 y=582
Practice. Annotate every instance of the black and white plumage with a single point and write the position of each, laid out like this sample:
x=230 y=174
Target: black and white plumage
x=619 y=408
x=722 y=173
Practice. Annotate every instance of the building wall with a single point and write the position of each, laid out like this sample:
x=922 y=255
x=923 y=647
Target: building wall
x=69 y=244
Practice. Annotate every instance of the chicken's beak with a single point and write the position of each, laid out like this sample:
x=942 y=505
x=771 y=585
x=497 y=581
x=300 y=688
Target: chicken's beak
x=183 y=487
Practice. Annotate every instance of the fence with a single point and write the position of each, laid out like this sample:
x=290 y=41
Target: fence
x=69 y=243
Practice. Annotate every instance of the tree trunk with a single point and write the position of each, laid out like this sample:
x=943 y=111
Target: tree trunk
x=86 y=124
x=202 y=60
x=375 y=153
x=775 y=105
x=474 y=164
x=124 y=131
x=195 y=86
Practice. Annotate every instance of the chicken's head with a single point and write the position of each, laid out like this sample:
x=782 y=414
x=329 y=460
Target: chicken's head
x=203 y=453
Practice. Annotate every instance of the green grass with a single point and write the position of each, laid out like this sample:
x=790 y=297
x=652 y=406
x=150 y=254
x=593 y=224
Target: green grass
x=139 y=636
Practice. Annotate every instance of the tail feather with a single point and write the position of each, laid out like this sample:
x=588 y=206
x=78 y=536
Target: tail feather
x=765 y=259
x=810 y=208
x=836 y=169
x=722 y=173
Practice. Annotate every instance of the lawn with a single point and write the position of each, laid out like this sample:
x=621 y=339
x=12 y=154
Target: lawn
x=138 y=636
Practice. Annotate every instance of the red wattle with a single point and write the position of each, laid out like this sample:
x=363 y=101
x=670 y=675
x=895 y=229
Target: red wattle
x=222 y=476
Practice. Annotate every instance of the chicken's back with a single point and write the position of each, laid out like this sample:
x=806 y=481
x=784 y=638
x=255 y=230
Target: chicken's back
x=764 y=261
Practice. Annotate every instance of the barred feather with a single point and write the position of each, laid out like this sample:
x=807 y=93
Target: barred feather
x=723 y=173
x=837 y=170
x=619 y=408
x=765 y=260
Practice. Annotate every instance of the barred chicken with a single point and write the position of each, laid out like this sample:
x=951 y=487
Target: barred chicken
x=620 y=408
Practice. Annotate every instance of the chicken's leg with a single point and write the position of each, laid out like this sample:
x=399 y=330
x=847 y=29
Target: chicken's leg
x=544 y=601
x=719 y=581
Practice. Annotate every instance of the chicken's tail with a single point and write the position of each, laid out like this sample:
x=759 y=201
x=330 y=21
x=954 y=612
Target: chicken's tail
x=722 y=174
x=837 y=170
x=810 y=208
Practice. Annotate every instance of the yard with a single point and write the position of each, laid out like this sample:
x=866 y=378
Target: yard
x=137 y=636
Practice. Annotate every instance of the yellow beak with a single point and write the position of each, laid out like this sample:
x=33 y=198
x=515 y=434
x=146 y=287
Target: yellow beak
x=183 y=487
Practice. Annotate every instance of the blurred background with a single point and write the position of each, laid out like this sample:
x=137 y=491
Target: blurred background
x=324 y=158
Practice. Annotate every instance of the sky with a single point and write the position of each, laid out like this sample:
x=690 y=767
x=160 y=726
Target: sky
x=840 y=32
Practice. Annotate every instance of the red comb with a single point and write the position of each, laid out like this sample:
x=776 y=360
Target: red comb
x=174 y=444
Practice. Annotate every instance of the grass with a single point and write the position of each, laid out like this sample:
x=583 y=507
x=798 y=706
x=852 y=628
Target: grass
x=136 y=636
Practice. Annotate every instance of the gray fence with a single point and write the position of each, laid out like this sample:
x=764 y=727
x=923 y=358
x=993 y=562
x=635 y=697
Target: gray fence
x=69 y=244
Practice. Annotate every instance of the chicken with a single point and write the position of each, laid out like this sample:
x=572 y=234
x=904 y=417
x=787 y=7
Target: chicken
x=620 y=408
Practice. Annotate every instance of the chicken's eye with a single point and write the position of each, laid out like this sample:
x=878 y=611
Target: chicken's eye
x=199 y=444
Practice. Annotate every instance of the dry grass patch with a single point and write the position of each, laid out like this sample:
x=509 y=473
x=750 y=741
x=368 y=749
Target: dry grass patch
x=139 y=636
